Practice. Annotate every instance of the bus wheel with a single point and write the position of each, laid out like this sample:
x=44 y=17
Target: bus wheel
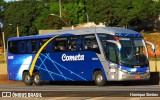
x=27 y=79
x=37 y=79
x=99 y=78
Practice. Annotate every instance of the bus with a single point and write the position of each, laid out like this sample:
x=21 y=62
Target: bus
x=99 y=54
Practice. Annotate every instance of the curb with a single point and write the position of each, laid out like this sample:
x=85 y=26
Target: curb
x=4 y=80
x=3 y=77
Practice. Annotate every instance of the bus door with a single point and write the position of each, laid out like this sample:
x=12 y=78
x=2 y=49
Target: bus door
x=112 y=54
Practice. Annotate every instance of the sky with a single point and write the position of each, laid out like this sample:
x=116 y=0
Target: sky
x=9 y=0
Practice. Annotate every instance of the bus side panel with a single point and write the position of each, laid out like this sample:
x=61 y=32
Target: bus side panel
x=17 y=64
x=63 y=66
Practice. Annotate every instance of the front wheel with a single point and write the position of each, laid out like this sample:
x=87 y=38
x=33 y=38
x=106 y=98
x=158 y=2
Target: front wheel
x=37 y=79
x=99 y=78
x=27 y=79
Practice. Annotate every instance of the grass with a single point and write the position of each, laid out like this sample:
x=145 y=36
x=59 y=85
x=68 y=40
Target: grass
x=154 y=59
x=1 y=58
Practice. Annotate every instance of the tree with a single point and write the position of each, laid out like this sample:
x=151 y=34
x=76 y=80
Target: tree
x=45 y=20
x=21 y=14
x=120 y=13
x=96 y=10
x=73 y=13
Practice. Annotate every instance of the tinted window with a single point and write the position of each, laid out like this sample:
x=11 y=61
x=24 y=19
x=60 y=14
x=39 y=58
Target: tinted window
x=111 y=52
x=75 y=43
x=60 y=44
x=72 y=43
x=13 y=47
x=42 y=42
x=22 y=47
x=90 y=43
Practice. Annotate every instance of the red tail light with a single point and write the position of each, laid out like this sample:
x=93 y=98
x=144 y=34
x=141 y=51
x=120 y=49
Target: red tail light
x=117 y=39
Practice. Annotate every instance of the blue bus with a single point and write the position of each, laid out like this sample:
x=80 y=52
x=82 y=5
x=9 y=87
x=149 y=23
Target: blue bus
x=99 y=54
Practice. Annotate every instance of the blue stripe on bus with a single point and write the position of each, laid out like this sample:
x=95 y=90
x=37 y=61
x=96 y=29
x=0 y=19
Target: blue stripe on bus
x=128 y=34
x=144 y=69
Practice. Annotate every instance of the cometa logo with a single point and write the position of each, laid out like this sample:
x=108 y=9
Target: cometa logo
x=72 y=57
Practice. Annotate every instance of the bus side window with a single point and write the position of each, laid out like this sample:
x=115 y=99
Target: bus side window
x=61 y=44
x=21 y=47
x=34 y=46
x=42 y=42
x=49 y=47
x=31 y=46
x=13 y=47
x=79 y=43
x=72 y=43
x=90 y=43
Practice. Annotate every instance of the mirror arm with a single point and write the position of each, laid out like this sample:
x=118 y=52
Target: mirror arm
x=153 y=47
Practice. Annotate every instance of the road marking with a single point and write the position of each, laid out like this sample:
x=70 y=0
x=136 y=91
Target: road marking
x=57 y=98
x=135 y=98
x=95 y=98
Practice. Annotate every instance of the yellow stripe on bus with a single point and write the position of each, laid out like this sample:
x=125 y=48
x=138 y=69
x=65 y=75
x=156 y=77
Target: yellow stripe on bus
x=38 y=53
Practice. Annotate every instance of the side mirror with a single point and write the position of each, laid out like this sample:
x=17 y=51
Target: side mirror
x=153 y=47
x=117 y=43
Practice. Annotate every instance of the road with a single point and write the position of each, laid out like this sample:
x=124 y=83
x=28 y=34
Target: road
x=85 y=92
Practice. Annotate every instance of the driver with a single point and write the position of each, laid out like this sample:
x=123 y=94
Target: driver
x=130 y=55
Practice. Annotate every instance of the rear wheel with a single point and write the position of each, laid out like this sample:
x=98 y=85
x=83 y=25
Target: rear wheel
x=99 y=78
x=37 y=79
x=27 y=79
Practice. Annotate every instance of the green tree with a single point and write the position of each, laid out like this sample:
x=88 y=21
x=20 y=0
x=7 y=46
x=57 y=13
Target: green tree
x=73 y=13
x=45 y=20
x=21 y=14
x=96 y=10
x=120 y=13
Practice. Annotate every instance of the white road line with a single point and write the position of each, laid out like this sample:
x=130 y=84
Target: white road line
x=135 y=98
x=95 y=98
x=56 y=98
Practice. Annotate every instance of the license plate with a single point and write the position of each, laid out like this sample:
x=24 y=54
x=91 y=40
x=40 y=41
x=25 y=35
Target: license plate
x=137 y=77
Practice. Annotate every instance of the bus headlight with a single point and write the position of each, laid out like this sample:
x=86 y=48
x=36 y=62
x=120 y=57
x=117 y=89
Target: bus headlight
x=125 y=71
x=147 y=70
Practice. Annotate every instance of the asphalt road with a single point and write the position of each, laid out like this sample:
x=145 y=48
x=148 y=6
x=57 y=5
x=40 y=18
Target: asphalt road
x=82 y=92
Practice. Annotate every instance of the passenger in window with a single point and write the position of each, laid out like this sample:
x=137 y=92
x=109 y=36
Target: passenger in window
x=89 y=46
x=57 y=48
x=95 y=46
x=73 y=48
x=33 y=50
x=62 y=48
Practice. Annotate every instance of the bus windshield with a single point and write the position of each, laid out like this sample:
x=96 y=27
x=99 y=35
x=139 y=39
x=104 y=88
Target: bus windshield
x=133 y=52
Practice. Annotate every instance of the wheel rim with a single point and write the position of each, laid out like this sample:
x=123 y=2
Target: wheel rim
x=99 y=78
x=27 y=78
x=36 y=79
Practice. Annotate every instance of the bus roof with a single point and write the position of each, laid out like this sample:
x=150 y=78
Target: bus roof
x=91 y=30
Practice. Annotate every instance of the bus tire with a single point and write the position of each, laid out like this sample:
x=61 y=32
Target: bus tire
x=27 y=79
x=37 y=79
x=99 y=78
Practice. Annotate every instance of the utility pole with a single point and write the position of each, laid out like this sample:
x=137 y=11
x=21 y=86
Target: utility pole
x=16 y=28
x=17 y=31
x=4 y=47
